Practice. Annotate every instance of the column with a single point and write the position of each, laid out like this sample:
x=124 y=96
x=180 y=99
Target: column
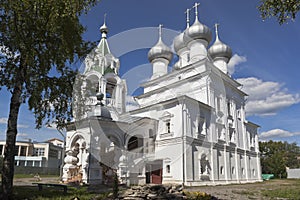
x=19 y=150
x=226 y=163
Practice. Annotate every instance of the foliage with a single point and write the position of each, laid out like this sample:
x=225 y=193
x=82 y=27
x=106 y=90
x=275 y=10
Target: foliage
x=39 y=41
x=276 y=156
x=115 y=186
x=198 y=195
x=283 y=10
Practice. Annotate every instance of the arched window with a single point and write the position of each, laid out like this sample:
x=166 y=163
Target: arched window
x=134 y=143
x=168 y=169
x=168 y=127
x=222 y=170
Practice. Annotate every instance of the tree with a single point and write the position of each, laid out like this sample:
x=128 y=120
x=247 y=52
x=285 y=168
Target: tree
x=276 y=156
x=283 y=10
x=39 y=41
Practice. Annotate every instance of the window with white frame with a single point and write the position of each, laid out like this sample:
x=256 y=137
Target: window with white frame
x=229 y=108
x=201 y=126
x=232 y=135
x=222 y=170
x=166 y=122
x=168 y=169
x=220 y=131
x=239 y=114
x=167 y=126
x=39 y=151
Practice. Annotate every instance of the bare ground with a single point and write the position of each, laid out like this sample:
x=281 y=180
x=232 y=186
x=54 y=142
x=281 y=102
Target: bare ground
x=245 y=191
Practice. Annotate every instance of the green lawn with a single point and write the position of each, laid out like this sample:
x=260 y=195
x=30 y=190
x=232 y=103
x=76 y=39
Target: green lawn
x=284 y=188
x=32 y=193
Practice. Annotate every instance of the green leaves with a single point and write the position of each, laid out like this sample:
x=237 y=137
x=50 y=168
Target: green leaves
x=283 y=10
x=41 y=38
x=276 y=156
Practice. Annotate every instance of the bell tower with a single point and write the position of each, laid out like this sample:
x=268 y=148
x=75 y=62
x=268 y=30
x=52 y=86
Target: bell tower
x=101 y=74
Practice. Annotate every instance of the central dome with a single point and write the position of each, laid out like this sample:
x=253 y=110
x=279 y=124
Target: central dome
x=197 y=31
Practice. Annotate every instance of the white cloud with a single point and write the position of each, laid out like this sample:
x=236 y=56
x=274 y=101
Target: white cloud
x=277 y=133
x=266 y=97
x=3 y=120
x=131 y=104
x=23 y=126
x=22 y=135
x=234 y=61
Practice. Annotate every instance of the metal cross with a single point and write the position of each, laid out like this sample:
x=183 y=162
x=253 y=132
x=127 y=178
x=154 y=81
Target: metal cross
x=187 y=17
x=160 y=30
x=196 y=8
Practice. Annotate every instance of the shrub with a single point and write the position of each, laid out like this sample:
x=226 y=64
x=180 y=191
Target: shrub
x=198 y=195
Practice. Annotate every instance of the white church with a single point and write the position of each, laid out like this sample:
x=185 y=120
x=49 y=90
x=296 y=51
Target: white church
x=189 y=127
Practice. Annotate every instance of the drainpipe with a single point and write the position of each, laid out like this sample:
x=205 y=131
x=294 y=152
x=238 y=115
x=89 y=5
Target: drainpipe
x=183 y=145
x=90 y=151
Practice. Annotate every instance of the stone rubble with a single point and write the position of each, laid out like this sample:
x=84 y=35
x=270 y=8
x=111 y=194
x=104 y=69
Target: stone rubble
x=153 y=192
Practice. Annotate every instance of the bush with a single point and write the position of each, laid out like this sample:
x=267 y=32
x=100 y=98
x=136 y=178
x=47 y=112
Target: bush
x=198 y=195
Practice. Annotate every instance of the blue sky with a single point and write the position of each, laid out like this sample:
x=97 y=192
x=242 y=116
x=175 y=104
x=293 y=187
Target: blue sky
x=266 y=57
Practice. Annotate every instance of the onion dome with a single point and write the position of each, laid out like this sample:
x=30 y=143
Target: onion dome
x=104 y=28
x=197 y=30
x=219 y=49
x=160 y=50
x=179 y=42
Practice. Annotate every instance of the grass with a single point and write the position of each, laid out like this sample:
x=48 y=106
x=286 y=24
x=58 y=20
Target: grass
x=272 y=189
x=32 y=175
x=32 y=193
x=287 y=189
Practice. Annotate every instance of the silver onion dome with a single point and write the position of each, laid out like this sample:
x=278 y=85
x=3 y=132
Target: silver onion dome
x=219 y=49
x=179 y=42
x=197 y=31
x=104 y=28
x=160 y=50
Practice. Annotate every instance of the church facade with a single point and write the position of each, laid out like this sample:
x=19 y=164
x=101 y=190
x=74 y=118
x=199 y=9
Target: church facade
x=190 y=126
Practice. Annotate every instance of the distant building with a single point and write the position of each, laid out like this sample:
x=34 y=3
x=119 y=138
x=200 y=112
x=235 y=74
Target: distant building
x=293 y=173
x=56 y=142
x=37 y=154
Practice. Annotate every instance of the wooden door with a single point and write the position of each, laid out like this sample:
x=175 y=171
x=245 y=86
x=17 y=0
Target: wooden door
x=156 y=176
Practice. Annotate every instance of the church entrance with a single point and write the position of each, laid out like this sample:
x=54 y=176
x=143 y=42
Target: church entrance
x=154 y=172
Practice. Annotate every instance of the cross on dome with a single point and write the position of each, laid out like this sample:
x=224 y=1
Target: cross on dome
x=103 y=28
x=187 y=17
x=216 y=30
x=196 y=9
x=160 y=31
